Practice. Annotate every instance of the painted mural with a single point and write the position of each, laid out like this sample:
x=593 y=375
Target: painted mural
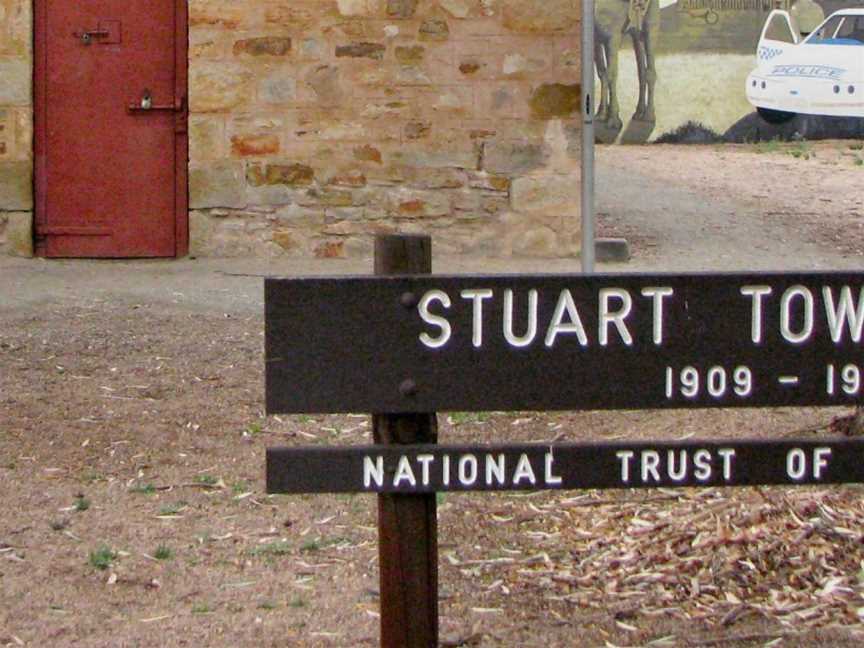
x=667 y=67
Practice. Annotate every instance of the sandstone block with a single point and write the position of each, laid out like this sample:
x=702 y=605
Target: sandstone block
x=556 y=100
x=435 y=178
x=540 y=16
x=410 y=54
x=296 y=216
x=294 y=175
x=515 y=64
x=270 y=196
x=19 y=234
x=456 y=8
x=507 y=101
x=489 y=182
x=373 y=51
x=291 y=16
x=16 y=185
x=15 y=88
x=494 y=204
x=351 y=178
x=401 y=8
x=264 y=46
x=217 y=185
x=7 y=134
x=311 y=48
x=23 y=133
x=201 y=232
x=446 y=155
x=207 y=43
x=216 y=13
x=417 y=130
x=434 y=29
x=285 y=239
x=419 y=204
x=367 y=153
x=205 y=138
x=546 y=193
x=514 y=158
x=343 y=219
x=254 y=145
x=468 y=203
x=469 y=67
x=278 y=88
x=325 y=83
x=357 y=247
x=536 y=242
x=218 y=87
x=330 y=249
x=330 y=197
x=355 y=7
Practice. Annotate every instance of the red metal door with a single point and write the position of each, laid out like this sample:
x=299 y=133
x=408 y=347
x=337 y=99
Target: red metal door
x=111 y=143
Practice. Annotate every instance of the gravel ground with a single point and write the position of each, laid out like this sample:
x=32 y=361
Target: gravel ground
x=132 y=439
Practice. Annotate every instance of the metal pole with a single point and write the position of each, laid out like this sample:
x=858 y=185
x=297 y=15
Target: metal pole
x=588 y=136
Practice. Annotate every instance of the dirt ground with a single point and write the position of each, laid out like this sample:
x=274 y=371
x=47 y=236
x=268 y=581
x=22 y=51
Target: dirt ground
x=132 y=441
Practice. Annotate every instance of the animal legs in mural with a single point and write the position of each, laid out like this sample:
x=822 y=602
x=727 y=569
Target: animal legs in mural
x=643 y=21
x=607 y=69
x=607 y=44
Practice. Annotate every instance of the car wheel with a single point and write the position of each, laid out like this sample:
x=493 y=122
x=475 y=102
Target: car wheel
x=775 y=116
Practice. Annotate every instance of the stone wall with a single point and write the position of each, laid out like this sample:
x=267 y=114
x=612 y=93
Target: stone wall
x=317 y=123
x=16 y=127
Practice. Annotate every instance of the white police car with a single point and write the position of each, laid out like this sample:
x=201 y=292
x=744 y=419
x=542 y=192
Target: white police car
x=820 y=75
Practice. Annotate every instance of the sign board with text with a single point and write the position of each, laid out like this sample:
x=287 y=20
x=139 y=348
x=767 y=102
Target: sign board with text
x=429 y=343
x=435 y=468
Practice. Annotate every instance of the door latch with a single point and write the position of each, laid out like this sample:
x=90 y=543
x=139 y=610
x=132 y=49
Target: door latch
x=107 y=32
x=87 y=36
x=146 y=100
x=145 y=104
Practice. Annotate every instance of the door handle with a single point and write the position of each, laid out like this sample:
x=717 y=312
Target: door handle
x=145 y=104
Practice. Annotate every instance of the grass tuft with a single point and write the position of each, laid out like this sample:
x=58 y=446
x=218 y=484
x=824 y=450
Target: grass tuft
x=163 y=553
x=240 y=487
x=143 y=489
x=173 y=509
x=201 y=608
x=771 y=146
x=278 y=548
x=102 y=557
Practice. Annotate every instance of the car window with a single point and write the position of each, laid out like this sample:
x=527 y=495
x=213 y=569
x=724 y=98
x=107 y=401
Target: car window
x=779 y=29
x=852 y=29
x=826 y=32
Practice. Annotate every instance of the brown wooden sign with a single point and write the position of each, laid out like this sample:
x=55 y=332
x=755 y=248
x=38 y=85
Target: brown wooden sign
x=436 y=468
x=547 y=342
x=404 y=345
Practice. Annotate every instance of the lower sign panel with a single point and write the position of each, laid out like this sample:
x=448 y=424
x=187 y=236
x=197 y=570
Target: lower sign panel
x=432 y=468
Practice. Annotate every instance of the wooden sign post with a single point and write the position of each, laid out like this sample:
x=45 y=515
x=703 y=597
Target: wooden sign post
x=407 y=524
x=406 y=344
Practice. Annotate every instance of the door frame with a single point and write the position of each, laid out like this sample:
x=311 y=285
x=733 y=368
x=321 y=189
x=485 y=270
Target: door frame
x=181 y=127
